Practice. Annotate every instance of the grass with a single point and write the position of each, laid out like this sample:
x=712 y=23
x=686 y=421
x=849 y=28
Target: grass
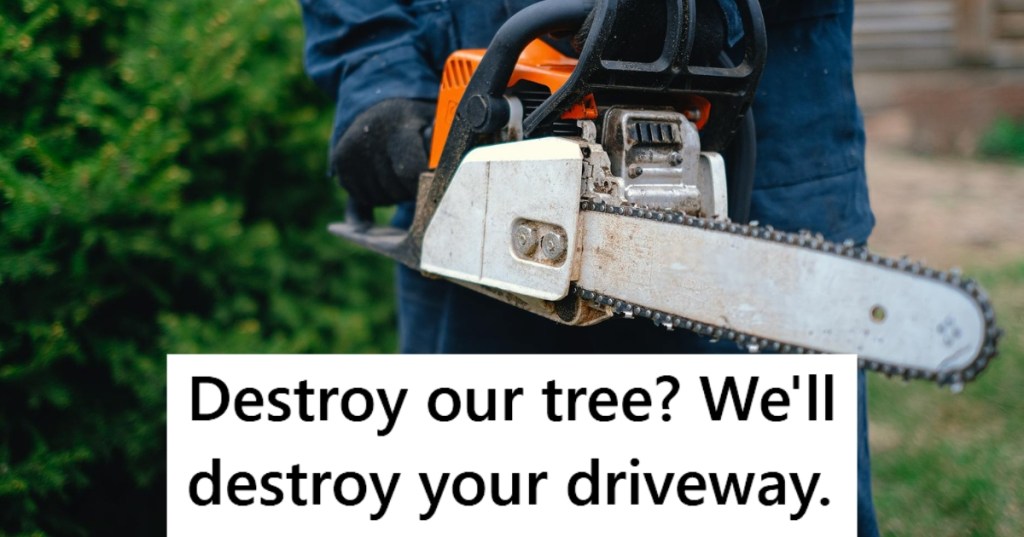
x=1004 y=140
x=953 y=465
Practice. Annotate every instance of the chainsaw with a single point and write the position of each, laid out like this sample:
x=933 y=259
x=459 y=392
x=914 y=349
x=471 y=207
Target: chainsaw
x=586 y=188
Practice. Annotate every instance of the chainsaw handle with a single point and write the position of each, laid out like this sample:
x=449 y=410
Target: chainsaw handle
x=360 y=215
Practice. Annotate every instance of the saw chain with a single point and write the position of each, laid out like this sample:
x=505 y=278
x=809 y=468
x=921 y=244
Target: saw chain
x=804 y=239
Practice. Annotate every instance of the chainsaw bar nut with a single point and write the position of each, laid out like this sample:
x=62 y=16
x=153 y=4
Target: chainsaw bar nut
x=524 y=240
x=539 y=242
x=552 y=245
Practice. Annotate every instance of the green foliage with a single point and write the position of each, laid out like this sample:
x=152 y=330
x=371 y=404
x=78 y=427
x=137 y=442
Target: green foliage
x=1005 y=139
x=162 y=191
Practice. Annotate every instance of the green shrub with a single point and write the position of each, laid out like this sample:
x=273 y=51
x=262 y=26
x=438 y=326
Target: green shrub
x=161 y=191
x=1005 y=139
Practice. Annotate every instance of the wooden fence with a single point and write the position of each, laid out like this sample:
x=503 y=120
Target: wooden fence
x=928 y=34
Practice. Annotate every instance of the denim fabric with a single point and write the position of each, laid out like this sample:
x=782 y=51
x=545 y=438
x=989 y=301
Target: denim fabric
x=810 y=134
x=867 y=522
x=810 y=168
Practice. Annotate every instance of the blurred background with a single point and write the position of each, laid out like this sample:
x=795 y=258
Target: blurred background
x=941 y=83
x=162 y=190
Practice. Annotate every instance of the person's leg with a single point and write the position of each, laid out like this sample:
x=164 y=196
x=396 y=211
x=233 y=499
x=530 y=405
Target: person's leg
x=867 y=522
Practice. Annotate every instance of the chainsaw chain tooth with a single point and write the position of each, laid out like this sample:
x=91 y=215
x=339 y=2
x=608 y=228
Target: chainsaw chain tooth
x=814 y=241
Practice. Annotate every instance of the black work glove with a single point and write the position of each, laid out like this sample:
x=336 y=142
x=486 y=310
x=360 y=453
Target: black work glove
x=378 y=160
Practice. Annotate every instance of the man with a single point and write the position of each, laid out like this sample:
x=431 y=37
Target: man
x=381 y=60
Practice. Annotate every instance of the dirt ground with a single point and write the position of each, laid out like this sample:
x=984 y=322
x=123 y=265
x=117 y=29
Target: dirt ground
x=948 y=210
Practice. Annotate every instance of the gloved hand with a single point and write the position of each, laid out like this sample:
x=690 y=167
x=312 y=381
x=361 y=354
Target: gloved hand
x=378 y=160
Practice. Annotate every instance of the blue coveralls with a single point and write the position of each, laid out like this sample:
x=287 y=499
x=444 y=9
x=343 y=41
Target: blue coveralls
x=810 y=166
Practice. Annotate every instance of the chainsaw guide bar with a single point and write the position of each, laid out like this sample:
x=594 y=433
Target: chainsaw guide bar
x=952 y=280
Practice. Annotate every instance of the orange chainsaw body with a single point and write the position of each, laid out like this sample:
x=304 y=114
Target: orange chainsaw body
x=539 y=63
